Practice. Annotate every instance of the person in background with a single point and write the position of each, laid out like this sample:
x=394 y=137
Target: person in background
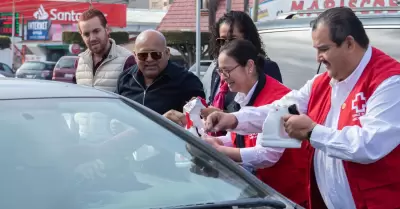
x=233 y=25
x=349 y=118
x=156 y=82
x=241 y=66
x=103 y=61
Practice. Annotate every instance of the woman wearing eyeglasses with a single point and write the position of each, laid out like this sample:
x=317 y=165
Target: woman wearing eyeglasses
x=241 y=67
x=233 y=25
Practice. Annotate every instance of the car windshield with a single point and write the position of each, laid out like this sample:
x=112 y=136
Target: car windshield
x=101 y=153
x=32 y=66
x=66 y=63
x=50 y=66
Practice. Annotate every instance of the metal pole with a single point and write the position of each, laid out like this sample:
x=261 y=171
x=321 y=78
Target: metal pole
x=246 y=6
x=228 y=5
x=13 y=34
x=198 y=37
x=255 y=11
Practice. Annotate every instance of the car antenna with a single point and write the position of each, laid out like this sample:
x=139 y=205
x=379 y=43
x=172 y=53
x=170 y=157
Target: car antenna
x=319 y=67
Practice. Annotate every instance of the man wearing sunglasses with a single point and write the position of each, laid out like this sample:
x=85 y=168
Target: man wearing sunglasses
x=156 y=82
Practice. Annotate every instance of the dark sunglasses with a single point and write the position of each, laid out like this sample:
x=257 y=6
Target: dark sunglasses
x=142 y=56
x=223 y=41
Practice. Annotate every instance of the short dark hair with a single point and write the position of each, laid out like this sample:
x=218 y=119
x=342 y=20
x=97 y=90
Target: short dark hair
x=342 y=22
x=91 y=13
x=242 y=51
x=245 y=25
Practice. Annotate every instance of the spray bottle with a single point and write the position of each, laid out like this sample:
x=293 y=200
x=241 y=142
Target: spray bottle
x=274 y=134
x=192 y=111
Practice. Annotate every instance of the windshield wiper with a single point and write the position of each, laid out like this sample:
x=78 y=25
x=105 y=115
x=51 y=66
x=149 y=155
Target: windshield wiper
x=240 y=203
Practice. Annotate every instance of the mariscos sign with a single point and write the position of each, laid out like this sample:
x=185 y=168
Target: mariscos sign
x=270 y=9
x=326 y=4
x=69 y=12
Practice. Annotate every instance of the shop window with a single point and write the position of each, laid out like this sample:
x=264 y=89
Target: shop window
x=204 y=5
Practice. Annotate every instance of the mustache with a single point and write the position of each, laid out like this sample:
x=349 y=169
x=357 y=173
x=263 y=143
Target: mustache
x=320 y=64
x=325 y=62
x=94 y=42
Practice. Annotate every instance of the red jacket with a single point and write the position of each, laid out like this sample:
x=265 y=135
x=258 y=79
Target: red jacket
x=288 y=175
x=375 y=185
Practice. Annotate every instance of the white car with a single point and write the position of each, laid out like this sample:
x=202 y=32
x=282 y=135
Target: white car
x=204 y=64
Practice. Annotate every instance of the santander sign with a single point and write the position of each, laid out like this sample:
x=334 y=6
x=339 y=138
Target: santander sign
x=67 y=12
x=64 y=16
x=55 y=15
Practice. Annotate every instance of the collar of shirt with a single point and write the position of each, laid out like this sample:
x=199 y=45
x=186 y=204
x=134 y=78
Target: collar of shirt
x=353 y=78
x=95 y=66
x=242 y=99
x=171 y=70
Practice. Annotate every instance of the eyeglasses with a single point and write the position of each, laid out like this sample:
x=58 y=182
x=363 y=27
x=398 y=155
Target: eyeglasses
x=142 y=56
x=223 y=41
x=227 y=73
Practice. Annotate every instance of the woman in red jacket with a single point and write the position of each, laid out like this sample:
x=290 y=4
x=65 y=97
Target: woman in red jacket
x=239 y=65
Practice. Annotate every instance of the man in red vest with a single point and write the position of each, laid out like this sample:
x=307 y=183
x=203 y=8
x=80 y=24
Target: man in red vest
x=349 y=122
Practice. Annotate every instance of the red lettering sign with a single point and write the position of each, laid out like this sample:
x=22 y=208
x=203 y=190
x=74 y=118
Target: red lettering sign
x=66 y=12
x=326 y=4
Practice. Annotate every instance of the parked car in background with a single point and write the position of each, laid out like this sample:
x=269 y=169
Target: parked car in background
x=53 y=164
x=65 y=69
x=36 y=70
x=204 y=64
x=288 y=42
x=6 y=70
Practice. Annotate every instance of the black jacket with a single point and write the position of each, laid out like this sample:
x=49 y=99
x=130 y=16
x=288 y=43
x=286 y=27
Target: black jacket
x=270 y=68
x=171 y=89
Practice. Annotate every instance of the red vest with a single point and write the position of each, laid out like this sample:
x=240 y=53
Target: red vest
x=375 y=185
x=288 y=175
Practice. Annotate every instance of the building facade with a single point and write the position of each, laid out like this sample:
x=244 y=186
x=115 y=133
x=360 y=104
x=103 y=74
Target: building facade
x=149 y=4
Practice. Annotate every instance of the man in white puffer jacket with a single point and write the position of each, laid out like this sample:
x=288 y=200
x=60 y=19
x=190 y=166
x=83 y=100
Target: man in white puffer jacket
x=103 y=61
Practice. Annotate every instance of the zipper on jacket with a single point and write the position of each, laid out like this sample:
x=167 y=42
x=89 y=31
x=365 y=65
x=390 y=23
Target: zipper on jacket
x=97 y=70
x=145 y=89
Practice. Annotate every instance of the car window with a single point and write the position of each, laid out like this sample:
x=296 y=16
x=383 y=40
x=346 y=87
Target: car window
x=66 y=63
x=50 y=66
x=296 y=57
x=101 y=153
x=32 y=66
x=6 y=68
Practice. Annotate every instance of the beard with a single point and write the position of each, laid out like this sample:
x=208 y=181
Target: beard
x=98 y=47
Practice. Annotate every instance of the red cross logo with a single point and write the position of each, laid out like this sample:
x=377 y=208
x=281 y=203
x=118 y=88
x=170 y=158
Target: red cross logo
x=359 y=103
x=253 y=136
